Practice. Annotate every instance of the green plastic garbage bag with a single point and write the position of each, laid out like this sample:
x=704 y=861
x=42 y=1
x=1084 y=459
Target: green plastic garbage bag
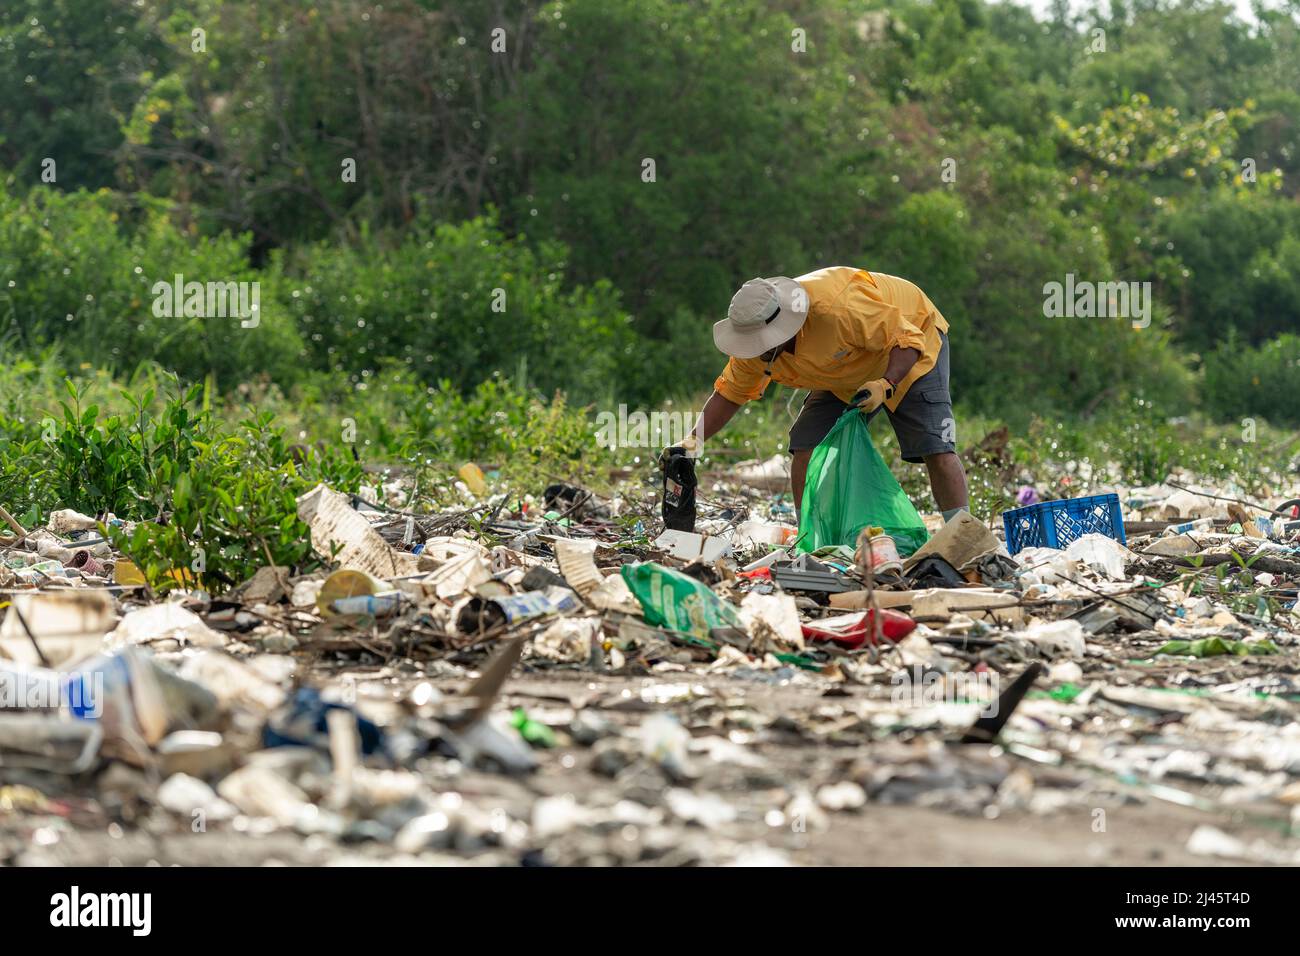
x=677 y=601
x=849 y=487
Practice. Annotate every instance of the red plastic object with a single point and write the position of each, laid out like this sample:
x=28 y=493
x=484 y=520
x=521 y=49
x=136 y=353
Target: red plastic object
x=756 y=573
x=851 y=631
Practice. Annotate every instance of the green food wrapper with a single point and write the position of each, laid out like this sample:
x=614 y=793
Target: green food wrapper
x=676 y=601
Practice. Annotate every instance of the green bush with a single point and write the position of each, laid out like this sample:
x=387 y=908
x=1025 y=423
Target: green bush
x=213 y=499
x=457 y=303
x=1237 y=265
x=227 y=504
x=1261 y=382
x=80 y=270
x=1012 y=360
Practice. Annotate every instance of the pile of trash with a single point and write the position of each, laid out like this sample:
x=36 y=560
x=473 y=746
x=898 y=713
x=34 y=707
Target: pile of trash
x=575 y=684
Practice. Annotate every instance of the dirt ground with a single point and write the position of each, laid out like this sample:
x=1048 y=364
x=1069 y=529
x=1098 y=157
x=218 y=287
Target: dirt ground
x=1096 y=824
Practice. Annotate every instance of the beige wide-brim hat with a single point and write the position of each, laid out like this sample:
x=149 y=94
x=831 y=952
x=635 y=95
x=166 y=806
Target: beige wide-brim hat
x=765 y=313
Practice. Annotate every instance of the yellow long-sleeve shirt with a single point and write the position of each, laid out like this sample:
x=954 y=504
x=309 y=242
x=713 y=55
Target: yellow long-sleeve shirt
x=855 y=318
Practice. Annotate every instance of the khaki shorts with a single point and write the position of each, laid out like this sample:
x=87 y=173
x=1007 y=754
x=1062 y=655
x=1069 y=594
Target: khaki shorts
x=923 y=422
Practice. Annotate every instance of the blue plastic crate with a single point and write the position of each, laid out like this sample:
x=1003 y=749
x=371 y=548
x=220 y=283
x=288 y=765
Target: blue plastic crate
x=1055 y=524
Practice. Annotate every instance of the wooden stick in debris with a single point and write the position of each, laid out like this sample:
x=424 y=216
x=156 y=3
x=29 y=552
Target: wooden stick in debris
x=30 y=636
x=871 y=598
x=497 y=510
x=1255 y=563
x=581 y=500
x=987 y=726
x=279 y=575
x=487 y=688
x=12 y=522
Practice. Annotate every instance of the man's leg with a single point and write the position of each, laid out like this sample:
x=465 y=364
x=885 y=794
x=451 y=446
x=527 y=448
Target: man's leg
x=818 y=415
x=927 y=432
x=947 y=481
x=799 y=474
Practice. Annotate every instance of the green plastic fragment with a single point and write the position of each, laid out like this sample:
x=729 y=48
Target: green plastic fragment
x=1065 y=692
x=799 y=660
x=535 y=733
x=1217 y=646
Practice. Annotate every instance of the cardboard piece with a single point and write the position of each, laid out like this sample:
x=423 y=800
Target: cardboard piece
x=960 y=540
x=577 y=561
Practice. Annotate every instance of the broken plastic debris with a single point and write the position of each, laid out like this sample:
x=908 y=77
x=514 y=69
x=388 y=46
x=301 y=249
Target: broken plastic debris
x=689 y=546
x=481 y=614
x=855 y=630
x=472 y=475
x=1056 y=638
x=164 y=622
x=1100 y=553
x=772 y=618
x=750 y=534
x=341 y=534
x=56 y=627
x=671 y=599
x=568 y=639
x=346 y=583
x=64 y=521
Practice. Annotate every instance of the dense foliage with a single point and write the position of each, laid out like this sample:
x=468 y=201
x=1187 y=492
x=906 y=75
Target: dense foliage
x=569 y=191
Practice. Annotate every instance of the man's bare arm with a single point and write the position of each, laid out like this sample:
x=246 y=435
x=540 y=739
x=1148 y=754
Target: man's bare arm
x=717 y=412
x=900 y=363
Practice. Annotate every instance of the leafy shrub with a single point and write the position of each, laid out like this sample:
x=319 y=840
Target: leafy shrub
x=1237 y=264
x=457 y=303
x=230 y=509
x=80 y=270
x=1260 y=382
x=212 y=499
